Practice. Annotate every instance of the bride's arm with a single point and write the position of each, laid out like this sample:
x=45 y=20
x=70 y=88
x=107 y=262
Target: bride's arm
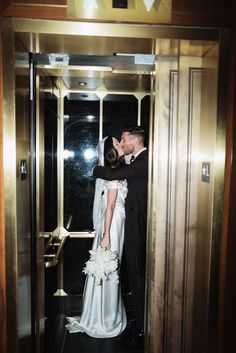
x=111 y=201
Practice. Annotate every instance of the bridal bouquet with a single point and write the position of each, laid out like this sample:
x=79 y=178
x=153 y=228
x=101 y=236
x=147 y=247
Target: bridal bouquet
x=102 y=265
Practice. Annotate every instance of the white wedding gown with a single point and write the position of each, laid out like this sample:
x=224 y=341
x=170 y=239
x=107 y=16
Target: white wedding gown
x=103 y=314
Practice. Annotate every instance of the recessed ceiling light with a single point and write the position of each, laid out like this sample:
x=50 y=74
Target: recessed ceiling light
x=82 y=83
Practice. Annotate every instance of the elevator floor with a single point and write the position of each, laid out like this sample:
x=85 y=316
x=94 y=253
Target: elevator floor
x=84 y=344
x=61 y=341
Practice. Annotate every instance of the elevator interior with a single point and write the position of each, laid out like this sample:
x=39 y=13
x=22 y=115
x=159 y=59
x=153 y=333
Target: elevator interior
x=172 y=89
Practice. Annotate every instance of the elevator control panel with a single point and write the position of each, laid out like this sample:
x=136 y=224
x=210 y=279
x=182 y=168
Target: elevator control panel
x=206 y=172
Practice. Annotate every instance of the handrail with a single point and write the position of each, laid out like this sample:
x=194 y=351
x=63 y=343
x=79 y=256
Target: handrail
x=55 y=244
x=75 y=235
x=54 y=247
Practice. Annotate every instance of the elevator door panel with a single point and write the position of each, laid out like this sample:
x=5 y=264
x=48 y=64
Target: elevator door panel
x=184 y=157
x=23 y=207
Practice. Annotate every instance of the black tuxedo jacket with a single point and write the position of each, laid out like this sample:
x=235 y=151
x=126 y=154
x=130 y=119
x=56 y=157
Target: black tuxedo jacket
x=136 y=175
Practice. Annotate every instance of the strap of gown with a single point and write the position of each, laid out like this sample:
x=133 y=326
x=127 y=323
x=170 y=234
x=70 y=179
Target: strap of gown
x=97 y=204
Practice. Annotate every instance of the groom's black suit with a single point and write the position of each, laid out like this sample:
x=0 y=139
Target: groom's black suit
x=136 y=174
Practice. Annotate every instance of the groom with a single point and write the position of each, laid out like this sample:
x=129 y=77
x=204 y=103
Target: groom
x=136 y=173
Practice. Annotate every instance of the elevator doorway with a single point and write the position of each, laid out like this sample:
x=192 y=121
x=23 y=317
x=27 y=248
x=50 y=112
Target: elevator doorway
x=185 y=172
x=73 y=122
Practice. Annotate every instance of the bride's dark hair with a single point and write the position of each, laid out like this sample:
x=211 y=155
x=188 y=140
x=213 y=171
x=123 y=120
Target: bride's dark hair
x=111 y=157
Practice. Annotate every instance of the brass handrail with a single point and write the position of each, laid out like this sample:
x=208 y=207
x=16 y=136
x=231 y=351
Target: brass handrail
x=54 y=246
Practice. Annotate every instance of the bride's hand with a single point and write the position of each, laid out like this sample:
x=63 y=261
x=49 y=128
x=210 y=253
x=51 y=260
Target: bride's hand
x=105 y=241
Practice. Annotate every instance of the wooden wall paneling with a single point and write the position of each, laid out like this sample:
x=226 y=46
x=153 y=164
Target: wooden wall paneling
x=40 y=2
x=2 y=233
x=227 y=300
x=202 y=13
x=45 y=9
x=7 y=3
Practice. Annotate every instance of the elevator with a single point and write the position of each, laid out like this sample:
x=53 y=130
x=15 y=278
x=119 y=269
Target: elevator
x=83 y=84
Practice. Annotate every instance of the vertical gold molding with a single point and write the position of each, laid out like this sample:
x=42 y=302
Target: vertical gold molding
x=9 y=166
x=40 y=303
x=60 y=160
x=3 y=333
x=218 y=243
x=158 y=207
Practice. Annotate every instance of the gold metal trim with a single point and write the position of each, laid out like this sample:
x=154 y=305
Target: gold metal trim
x=113 y=30
x=78 y=68
x=60 y=159
x=23 y=5
x=75 y=235
x=9 y=167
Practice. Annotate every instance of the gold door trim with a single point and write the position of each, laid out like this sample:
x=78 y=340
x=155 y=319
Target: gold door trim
x=113 y=30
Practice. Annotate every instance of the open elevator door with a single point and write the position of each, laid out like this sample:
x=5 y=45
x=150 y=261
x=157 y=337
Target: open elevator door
x=33 y=200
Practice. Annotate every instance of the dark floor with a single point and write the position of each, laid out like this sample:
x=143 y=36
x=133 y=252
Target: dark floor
x=62 y=341
x=85 y=344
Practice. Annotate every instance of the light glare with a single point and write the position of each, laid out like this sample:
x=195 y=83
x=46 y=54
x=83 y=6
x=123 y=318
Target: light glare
x=89 y=153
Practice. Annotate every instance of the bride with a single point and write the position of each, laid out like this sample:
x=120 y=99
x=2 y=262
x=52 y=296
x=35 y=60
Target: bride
x=103 y=313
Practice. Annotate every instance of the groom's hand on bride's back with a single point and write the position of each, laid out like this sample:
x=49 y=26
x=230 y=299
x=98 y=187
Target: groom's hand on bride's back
x=100 y=171
x=105 y=172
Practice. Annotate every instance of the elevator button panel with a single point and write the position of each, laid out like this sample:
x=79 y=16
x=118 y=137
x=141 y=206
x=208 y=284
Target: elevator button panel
x=23 y=169
x=206 y=172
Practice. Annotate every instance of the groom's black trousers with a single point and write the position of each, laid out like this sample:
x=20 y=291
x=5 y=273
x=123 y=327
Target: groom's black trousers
x=135 y=253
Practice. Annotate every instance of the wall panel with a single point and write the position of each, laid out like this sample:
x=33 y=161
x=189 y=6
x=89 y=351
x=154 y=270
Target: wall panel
x=54 y=9
x=204 y=13
x=227 y=323
x=187 y=12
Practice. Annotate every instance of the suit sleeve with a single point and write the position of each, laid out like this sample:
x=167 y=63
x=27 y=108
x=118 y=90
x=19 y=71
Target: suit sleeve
x=137 y=170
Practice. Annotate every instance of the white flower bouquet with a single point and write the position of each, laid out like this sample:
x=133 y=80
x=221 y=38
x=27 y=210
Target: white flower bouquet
x=102 y=265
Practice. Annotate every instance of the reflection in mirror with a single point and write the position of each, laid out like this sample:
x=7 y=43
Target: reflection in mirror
x=81 y=131
x=119 y=111
x=50 y=160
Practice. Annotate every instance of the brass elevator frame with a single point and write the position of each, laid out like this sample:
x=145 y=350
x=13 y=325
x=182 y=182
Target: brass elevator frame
x=161 y=37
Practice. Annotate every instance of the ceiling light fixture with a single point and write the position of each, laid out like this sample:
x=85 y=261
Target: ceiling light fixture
x=90 y=68
x=82 y=83
x=90 y=4
x=148 y=4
